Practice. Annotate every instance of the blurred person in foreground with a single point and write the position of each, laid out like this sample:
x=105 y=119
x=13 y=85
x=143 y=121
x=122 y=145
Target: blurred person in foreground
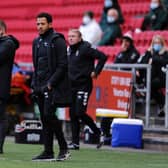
x=8 y=47
x=50 y=85
x=157 y=57
x=82 y=71
x=90 y=29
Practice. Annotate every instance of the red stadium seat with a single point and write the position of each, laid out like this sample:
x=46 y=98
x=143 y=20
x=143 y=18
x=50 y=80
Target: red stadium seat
x=20 y=17
x=30 y=3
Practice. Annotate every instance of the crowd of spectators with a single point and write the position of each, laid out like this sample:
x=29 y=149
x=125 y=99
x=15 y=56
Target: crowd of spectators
x=111 y=22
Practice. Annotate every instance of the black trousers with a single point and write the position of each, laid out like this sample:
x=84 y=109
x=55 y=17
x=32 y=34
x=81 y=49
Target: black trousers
x=156 y=93
x=51 y=124
x=3 y=104
x=3 y=122
x=78 y=113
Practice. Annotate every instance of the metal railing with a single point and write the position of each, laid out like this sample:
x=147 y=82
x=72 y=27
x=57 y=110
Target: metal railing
x=146 y=89
x=166 y=101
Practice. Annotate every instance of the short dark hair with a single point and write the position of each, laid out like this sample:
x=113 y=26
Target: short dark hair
x=3 y=25
x=90 y=14
x=46 y=15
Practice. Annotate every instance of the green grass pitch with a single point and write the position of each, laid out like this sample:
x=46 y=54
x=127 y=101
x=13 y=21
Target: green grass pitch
x=19 y=156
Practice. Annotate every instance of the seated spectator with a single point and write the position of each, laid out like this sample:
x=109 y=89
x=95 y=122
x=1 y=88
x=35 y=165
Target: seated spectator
x=165 y=3
x=156 y=19
x=90 y=29
x=157 y=56
x=112 y=29
x=128 y=53
x=108 y=4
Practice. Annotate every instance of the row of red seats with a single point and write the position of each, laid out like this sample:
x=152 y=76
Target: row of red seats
x=65 y=17
x=29 y=3
x=30 y=25
x=70 y=10
x=67 y=12
x=82 y=2
x=132 y=23
x=145 y=38
x=79 y=2
x=135 y=9
x=133 y=1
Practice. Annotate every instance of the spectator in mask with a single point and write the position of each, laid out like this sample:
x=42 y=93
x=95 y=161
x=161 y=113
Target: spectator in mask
x=165 y=3
x=108 y=4
x=90 y=29
x=156 y=19
x=112 y=29
x=157 y=56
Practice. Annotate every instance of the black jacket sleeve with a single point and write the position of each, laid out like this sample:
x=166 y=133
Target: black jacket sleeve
x=61 y=59
x=160 y=60
x=4 y=51
x=33 y=82
x=100 y=56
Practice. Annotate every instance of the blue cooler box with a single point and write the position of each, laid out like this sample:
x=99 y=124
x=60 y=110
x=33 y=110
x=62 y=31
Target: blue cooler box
x=127 y=133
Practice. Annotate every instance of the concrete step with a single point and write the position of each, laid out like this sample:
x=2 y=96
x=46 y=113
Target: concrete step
x=154 y=121
x=155 y=139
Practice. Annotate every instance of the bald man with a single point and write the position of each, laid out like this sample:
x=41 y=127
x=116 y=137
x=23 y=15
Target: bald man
x=112 y=29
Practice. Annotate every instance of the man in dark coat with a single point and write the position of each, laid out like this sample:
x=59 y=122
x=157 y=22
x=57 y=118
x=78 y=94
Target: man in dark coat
x=108 y=4
x=50 y=85
x=81 y=58
x=112 y=29
x=8 y=46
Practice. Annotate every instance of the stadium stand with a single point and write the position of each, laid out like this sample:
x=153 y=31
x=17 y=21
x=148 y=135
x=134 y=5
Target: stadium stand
x=20 y=18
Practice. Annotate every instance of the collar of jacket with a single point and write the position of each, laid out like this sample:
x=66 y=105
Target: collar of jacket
x=157 y=9
x=12 y=38
x=49 y=31
x=75 y=46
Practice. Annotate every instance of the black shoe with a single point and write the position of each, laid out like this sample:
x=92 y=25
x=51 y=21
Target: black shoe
x=73 y=146
x=63 y=155
x=44 y=156
x=101 y=141
x=161 y=114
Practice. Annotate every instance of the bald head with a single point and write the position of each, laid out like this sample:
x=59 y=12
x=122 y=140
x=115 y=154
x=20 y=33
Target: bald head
x=113 y=13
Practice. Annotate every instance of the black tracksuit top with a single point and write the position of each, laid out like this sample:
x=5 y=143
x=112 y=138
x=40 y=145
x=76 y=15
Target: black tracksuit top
x=81 y=58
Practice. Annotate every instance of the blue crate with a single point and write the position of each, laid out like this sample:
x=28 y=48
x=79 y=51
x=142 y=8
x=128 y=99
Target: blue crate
x=127 y=133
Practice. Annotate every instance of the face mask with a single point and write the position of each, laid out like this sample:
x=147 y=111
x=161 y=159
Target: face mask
x=108 y=3
x=154 y=5
x=110 y=19
x=157 y=47
x=86 y=20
